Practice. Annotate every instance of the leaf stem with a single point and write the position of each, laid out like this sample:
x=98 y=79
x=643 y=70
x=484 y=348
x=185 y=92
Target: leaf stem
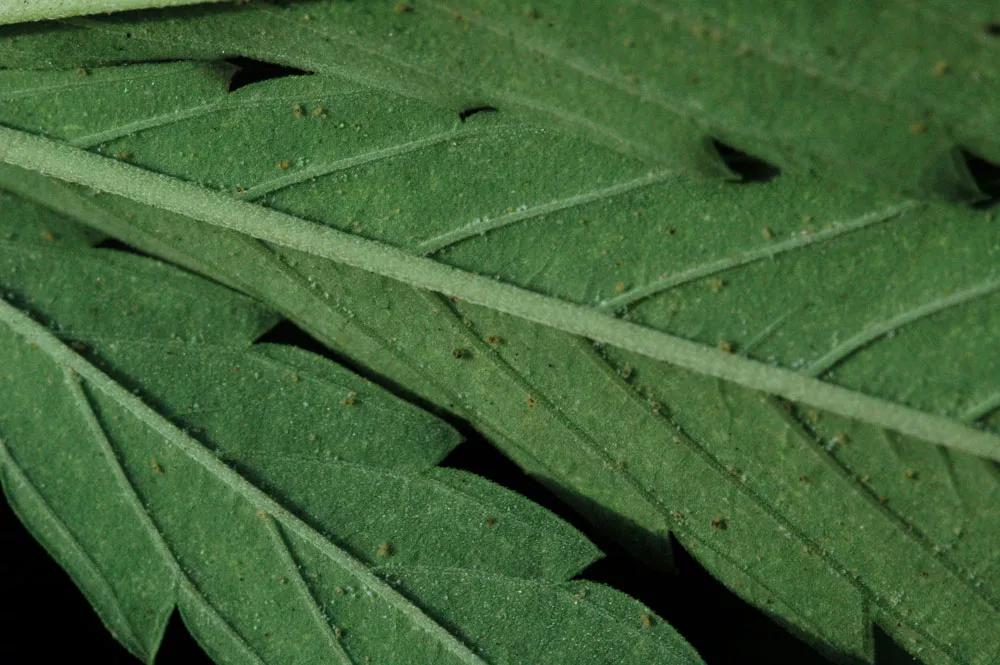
x=219 y=209
x=20 y=11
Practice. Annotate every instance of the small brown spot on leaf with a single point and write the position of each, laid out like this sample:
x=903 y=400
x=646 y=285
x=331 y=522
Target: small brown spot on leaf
x=402 y=8
x=351 y=399
x=767 y=233
x=491 y=521
x=940 y=68
x=283 y=164
x=646 y=620
x=725 y=346
x=532 y=402
x=385 y=549
x=720 y=523
x=918 y=127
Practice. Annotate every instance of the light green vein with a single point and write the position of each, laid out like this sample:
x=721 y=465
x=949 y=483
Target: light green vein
x=63 y=356
x=483 y=226
x=216 y=208
x=764 y=252
x=84 y=563
x=18 y=11
x=295 y=571
x=882 y=328
x=319 y=170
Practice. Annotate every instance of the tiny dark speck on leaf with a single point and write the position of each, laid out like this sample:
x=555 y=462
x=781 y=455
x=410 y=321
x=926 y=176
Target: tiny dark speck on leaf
x=993 y=29
x=725 y=346
x=491 y=521
x=912 y=474
x=532 y=402
x=458 y=354
x=494 y=340
x=402 y=8
x=720 y=523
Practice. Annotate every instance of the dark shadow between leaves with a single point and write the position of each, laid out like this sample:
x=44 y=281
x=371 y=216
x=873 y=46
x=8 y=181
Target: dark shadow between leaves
x=465 y=114
x=249 y=71
x=749 y=168
x=116 y=245
x=986 y=175
x=721 y=626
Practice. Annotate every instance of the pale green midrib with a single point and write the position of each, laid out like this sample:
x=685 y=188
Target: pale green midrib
x=161 y=191
x=38 y=10
x=64 y=357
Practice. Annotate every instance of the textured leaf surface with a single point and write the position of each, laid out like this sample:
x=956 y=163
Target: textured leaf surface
x=829 y=523
x=889 y=93
x=15 y=11
x=290 y=510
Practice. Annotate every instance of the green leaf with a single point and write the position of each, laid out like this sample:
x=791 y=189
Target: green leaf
x=889 y=95
x=16 y=11
x=831 y=524
x=290 y=510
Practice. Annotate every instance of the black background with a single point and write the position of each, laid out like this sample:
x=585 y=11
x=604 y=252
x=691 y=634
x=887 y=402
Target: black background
x=47 y=618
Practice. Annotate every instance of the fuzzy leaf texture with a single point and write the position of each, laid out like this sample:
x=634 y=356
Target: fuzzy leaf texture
x=291 y=511
x=16 y=11
x=893 y=93
x=832 y=524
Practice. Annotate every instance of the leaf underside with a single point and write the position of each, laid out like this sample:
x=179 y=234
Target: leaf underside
x=829 y=523
x=16 y=11
x=291 y=511
x=888 y=94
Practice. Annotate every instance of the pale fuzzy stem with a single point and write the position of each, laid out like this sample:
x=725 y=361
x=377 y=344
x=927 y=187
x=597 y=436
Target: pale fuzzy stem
x=219 y=209
x=20 y=11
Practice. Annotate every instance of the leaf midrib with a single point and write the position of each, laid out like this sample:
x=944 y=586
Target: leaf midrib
x=52 y=158
x=69 y=361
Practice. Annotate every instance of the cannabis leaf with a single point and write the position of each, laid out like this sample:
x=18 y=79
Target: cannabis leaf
x=291 y=510
x=15 y=11
x=900 y=94
x=832 y=524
